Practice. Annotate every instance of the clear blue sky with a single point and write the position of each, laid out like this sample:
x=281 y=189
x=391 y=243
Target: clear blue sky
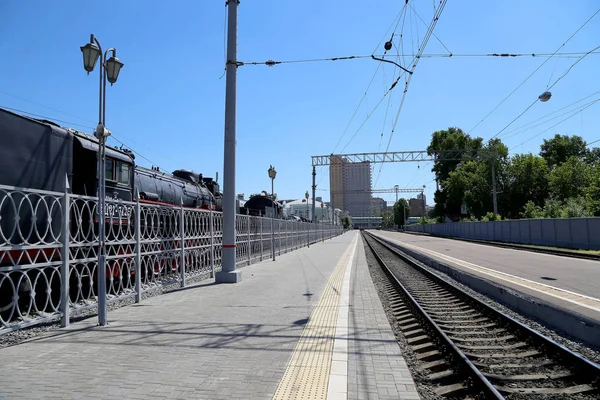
x=169 y=101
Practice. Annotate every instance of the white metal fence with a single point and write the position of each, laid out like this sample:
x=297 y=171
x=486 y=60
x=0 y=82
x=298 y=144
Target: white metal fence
x=48 y=263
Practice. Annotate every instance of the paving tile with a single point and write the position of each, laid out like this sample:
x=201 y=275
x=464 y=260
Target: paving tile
x=203 y=342
x=375 y=364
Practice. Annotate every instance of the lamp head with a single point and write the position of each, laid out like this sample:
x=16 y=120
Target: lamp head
x=90 y=52
x=113 y=66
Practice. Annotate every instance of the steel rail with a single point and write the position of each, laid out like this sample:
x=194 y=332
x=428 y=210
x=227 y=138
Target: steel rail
x=589 y=369
x=482 y=382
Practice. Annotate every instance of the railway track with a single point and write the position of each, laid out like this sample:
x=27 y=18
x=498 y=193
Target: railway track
x=467 y=349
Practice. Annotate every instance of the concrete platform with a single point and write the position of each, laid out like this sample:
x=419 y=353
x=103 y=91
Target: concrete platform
x=313 y=311
x=559 y=291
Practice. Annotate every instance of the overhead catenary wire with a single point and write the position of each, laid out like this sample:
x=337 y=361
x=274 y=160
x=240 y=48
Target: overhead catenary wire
x=551 y=113
x=81 y=126
x=573 y=65
x=550 y=87
x=414 y=63
x=575 y=54
x=42 y=105
x=434 y=35
x=520 y=131
x=364 y=96
x=396 y=22
x=533 y=73
x=573 y=113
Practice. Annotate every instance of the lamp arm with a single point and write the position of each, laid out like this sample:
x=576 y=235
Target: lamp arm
x=94 y=39
x=392 y=62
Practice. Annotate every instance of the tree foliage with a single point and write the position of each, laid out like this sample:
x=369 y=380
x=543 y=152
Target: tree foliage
x=561 y=147
x=401 y=209
x=562 y=182
x=569 y=179
x=527 y=182
x=450 y=139
x=387 y=219
x=346 y=221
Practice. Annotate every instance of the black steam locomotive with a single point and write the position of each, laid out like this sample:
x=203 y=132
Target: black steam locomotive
x=41 y=155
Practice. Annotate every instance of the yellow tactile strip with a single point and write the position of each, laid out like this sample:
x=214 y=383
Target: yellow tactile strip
x=307 y=374
x=566 y=295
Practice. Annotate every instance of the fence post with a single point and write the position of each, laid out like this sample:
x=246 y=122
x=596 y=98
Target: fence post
x=273 y=235
x=308 y=236
x=182 y=250
x=249 y=244
x=287 y=236
x=64 y=267
x=260 y=219
x=322 y=231
x=212 y=241
x=138 y=250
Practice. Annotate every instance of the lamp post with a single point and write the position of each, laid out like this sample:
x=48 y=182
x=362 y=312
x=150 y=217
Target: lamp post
x=308 y=230
x=272 y=175
x=109 y=70
x=306 y=197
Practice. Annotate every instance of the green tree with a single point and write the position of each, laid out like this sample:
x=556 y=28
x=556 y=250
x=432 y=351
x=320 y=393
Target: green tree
x=387 y=219
x=527 y=181
x=468 y=179
x=346 y=221
x=400 y=208
x=592 y=158
x=531 y=210
x=561 y=147
x=450 y=139
x=471 y=182
x=569 y=179
x=592 y=192
x=491 y=217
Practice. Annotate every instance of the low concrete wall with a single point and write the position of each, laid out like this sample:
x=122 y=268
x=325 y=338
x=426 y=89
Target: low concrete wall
x=571 y=233
x=573 y=324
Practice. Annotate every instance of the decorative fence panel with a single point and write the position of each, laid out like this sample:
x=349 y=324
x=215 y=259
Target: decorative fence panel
x=49 y=250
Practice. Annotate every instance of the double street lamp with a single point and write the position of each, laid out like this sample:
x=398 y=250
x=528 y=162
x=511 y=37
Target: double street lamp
x=272 y=175
x=109 y=70
x=306 y=195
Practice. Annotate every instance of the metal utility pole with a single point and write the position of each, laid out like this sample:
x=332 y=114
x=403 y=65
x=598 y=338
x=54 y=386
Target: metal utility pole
x=314 y=188
x=423 y=201
x=494 y=199
x=229 y=274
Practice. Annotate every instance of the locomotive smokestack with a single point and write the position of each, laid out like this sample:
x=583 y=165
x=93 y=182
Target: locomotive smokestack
x=217 y=177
